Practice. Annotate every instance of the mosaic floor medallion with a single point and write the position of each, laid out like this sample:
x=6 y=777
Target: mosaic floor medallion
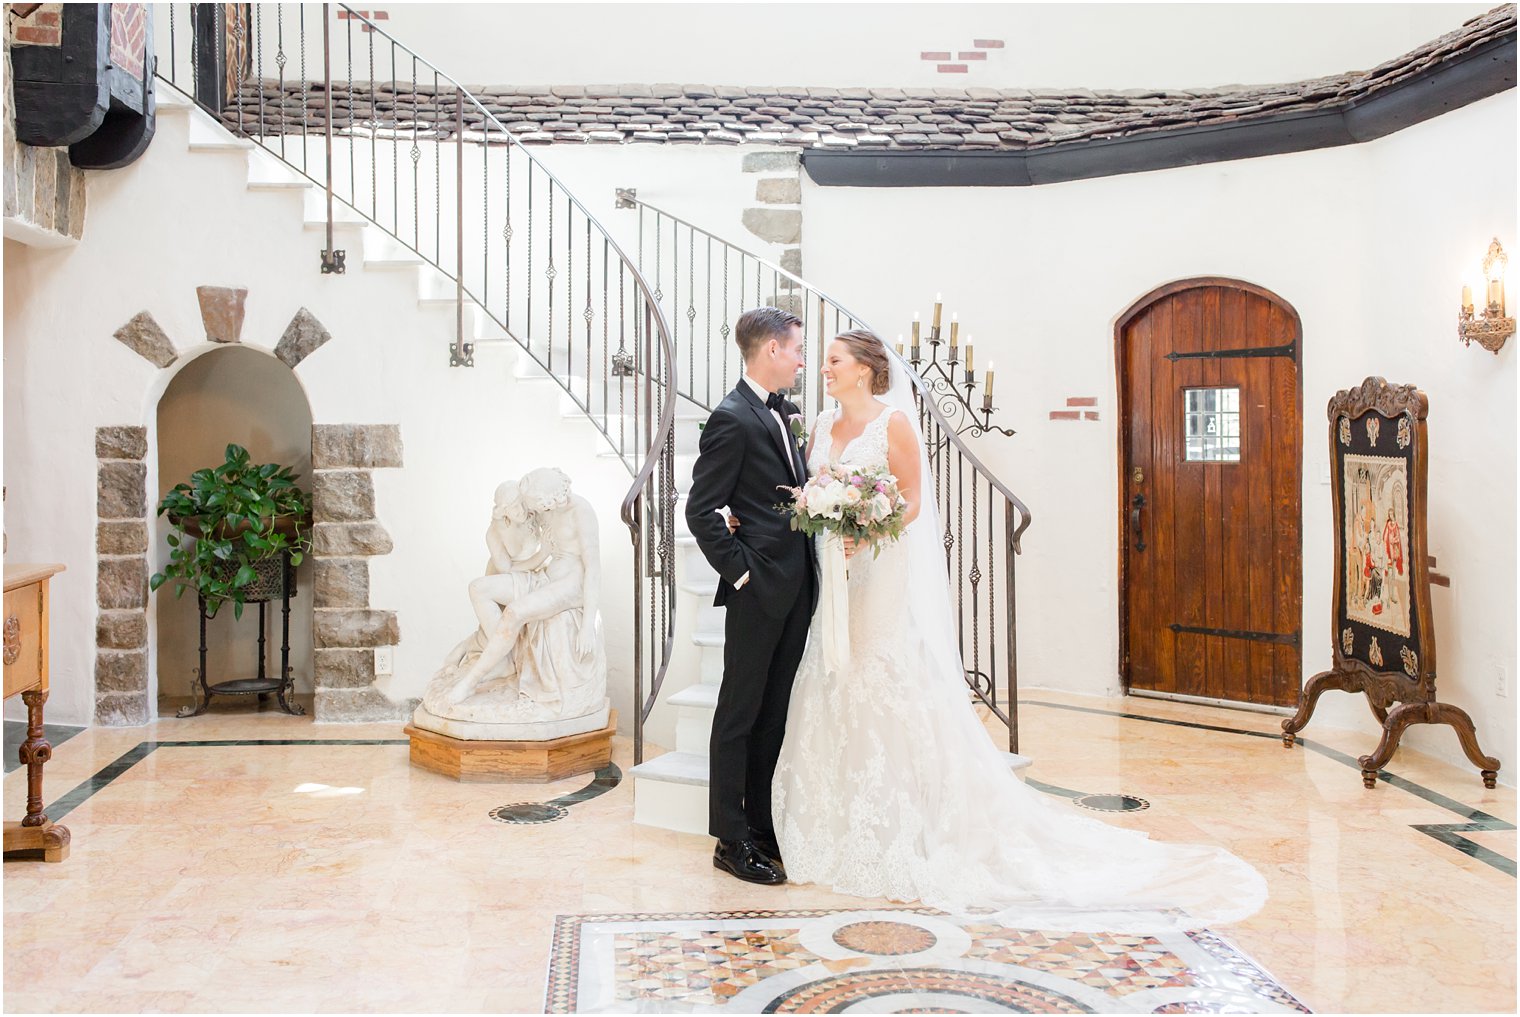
x=1112 y=803
x=891 y=961
x=530 y=813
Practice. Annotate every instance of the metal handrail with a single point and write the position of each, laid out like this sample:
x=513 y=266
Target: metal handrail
x=630 y=197
x=945 y=444
x=232 y=39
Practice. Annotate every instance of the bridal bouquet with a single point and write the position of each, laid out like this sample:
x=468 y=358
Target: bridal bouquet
x=864 y=504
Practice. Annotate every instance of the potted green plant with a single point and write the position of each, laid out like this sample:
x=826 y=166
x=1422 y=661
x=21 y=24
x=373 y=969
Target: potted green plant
x=232 y=524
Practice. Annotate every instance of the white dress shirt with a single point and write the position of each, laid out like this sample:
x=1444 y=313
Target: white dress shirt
x=764 y=394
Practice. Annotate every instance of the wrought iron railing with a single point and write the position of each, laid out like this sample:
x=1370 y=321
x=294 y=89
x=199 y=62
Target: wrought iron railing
x=395 y=143
x=706 y=282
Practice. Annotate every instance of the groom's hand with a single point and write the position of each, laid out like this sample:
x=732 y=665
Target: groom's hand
x=733 y=523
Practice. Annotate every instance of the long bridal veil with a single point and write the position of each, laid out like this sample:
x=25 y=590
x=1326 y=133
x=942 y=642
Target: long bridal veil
x=996 y=847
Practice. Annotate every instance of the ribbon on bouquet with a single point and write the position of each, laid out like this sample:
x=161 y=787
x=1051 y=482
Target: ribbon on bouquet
x=834 y=600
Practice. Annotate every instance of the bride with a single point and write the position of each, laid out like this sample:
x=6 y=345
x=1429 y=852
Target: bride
x=889 y=786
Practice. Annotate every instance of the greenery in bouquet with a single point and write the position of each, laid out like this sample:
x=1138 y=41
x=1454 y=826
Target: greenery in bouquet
x=863 y=504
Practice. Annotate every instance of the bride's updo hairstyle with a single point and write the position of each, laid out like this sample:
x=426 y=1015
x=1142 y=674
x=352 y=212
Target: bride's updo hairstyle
x=867 y=348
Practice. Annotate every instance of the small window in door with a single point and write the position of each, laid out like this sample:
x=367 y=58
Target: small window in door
x=1212 y=424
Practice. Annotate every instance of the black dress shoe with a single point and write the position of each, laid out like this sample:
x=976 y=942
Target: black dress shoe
x=765 y=843
x=740 y=858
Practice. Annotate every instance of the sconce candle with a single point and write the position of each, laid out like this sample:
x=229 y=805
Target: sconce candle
x=938 y=305
x=987 y=393
x=899 y=346
x=1491 y=327
x=955 y=328
x=915 y=333
x=968 y=356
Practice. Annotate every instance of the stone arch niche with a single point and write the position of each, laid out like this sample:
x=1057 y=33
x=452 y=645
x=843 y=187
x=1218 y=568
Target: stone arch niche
x=339 y=630
x=240 y=395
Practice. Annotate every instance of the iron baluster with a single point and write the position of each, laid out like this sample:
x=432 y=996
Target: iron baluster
x=332 y=259
x=395 y=147
x=353 y=105
x=589 y=315
x=459 y=356
x=549 y=274
x=528 y=322
x=374 y=151
x=485 y=215
x=724 y=329
x=305 y=91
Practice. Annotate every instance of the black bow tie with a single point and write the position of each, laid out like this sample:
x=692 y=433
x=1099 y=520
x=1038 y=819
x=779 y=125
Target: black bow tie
x=775 y=402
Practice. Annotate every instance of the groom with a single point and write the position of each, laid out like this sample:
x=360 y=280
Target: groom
x=767 y=584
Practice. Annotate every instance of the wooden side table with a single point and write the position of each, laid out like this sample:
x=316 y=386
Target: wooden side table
x=26 y=672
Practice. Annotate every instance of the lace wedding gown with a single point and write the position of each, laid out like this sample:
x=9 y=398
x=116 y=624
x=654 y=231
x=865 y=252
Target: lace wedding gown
x=889 y=786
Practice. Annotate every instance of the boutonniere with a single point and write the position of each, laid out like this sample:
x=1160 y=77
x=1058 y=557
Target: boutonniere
x=799 y=430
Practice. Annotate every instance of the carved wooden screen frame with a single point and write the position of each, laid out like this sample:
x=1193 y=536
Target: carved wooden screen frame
x=1399 y=433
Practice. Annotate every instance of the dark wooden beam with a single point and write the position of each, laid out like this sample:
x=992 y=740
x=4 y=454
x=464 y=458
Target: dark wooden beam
x=1486 y=70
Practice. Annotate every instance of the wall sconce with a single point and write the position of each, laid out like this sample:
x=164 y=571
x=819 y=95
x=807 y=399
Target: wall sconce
x=1491 y=328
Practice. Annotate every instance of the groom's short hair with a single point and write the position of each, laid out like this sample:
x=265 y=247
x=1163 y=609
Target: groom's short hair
x=756 y=326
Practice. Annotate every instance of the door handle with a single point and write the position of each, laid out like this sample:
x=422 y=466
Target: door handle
x=1136 y=504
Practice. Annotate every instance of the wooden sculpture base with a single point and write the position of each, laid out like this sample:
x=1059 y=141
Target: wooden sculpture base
x=49 y=841
x=500 y=762
x=1394 y=722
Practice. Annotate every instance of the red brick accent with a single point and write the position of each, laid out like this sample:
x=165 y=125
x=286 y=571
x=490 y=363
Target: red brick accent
x=974 y=54
x=1089 y=415
x=934 y=54
x=953 y=69
x=39 y=35
x=52 y=19
x=1065 y=415
x=988 y=44
x=1082 y=401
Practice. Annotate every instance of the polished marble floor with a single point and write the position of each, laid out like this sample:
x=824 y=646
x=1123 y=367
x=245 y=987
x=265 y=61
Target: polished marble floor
x=249 y=861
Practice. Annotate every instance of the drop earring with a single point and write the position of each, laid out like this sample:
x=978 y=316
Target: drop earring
x=860 y=381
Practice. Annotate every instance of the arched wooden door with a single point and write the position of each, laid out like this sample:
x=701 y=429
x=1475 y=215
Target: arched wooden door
x=1211 y=457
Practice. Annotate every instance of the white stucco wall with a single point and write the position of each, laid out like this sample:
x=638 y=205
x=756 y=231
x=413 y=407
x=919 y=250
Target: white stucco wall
x=177 y=219
x=845 y=45
x=1371 y=244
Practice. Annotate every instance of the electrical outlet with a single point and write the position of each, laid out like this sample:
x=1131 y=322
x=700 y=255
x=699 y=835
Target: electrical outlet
x=1501 y=680
x=385 y=661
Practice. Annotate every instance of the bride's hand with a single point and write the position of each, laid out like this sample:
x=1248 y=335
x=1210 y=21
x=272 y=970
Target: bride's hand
x=733 y=523
x=850 y=547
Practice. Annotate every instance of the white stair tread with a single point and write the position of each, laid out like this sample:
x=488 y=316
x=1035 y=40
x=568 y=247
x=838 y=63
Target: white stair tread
x=691 y=768
x=167 y=98
x=700 y=696
x=673 y=768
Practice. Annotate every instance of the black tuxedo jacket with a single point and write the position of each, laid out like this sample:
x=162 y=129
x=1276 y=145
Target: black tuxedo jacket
x=743 y=464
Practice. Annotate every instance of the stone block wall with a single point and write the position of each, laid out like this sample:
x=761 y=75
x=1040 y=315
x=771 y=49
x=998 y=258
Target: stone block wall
x=121 y=578
x=776 y=216
x=345 y=535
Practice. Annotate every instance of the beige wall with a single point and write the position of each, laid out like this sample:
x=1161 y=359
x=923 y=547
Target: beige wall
x=244 y=396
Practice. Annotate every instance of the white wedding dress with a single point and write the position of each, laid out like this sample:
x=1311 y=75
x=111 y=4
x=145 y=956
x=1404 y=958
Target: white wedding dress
x=889 y=786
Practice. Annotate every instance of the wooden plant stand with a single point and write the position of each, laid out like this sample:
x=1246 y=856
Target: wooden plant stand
x=261 y=685
x=1388 y=651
